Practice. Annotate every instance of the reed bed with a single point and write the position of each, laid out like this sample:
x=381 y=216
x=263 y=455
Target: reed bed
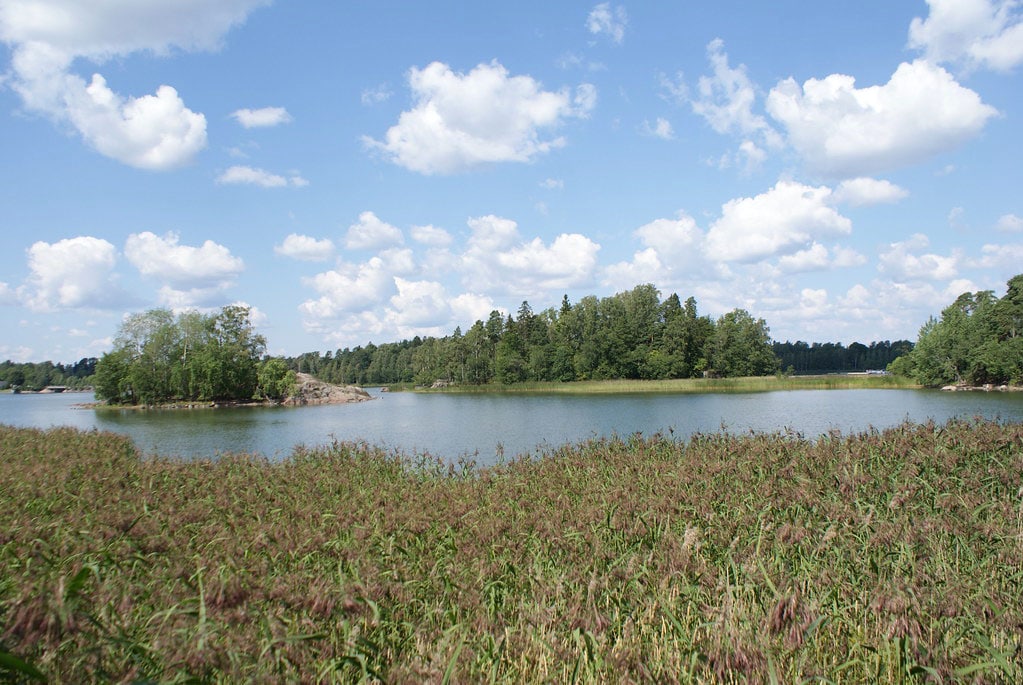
x=884 y=556
x=685 y=385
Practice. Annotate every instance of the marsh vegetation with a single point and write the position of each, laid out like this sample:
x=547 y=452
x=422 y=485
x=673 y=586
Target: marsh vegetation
x=875 y=557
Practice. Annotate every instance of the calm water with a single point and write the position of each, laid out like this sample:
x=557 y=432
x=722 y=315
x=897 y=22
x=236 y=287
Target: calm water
x=486 y=426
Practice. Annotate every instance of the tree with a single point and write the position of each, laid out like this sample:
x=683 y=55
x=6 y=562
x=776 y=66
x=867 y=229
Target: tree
x=276 y=380
x=741 y=346
x=157 y=358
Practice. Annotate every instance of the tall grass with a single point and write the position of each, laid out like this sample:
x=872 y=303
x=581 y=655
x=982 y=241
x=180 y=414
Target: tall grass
x=686 y=385
x=886 y=556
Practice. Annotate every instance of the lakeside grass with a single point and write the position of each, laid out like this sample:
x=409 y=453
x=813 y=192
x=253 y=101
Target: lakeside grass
x=684 y=385
x=886 y=556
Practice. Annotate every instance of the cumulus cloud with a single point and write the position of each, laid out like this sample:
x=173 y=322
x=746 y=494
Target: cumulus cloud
x=782 y=220
x=1005 y=259
x=868 y=191
x=461 y=121
x=305 y=248
x=609 y=21
x=246 y=175
x=726 y=98
x=261 y=118
x=497 y=258
x=1010 y=223
x=974 y=33
x=431 y=235
x=71 y=273
x=845 y=131
x=190 y=275
x=901 y=262
x=154 y=132
x=349 y=288
x=369 y=233
x=420 y=304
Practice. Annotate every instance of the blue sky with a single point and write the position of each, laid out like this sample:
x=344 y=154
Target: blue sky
x=359 y=172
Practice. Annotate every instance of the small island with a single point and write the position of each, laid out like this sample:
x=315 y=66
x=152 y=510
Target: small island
x=204 y=360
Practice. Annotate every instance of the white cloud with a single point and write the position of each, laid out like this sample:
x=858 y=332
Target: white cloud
x=7 y=294
x=675 y=239
x=975 y=33
x=472 y=307
x=431 y=235
x=420 y=304
x=726 y=99
x=71 y=273
x=349 y=288
x=371 y=233
x=151 y=132
x=183 y=268
x=868 y=191
x=496 y=258
x=607 y=20
x=814 y=258
x=845 y=131
x=552 y=184
x=246 y=175
x=782 y=220
x=261 y=118
x=660 y=129
x=461 y=121
x=305 y=248
x=1010 y=223
x=1005 y=259
x=900 y=263
x=376 y=95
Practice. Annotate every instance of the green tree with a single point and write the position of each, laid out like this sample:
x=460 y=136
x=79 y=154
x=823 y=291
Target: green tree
x=741 y=346
x=276 y=380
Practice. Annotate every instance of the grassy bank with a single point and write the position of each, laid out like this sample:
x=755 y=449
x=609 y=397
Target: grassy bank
x=881 y=557
x=688 y=385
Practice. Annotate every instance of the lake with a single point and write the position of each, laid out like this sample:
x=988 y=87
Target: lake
x=485 y=427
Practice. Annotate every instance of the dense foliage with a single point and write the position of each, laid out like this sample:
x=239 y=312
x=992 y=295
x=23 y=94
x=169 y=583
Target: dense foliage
x=38 y=375
x=801 y=357
x=885 y=557
x=632 y=334
x=978 y=340
x=159 y=358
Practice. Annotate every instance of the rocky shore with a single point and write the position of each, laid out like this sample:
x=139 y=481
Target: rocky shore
x=309 y=390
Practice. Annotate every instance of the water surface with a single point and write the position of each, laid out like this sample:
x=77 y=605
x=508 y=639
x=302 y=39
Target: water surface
x=485 y=427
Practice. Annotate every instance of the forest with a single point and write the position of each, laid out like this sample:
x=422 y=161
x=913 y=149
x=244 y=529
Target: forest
x=629 y=335
x=978 y=340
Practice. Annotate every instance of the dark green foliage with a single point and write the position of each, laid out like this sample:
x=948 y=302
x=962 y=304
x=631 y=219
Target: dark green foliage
x=158 y=357
x=38 y=375
x=978 y=340
x=804 y=357
x=630 y=335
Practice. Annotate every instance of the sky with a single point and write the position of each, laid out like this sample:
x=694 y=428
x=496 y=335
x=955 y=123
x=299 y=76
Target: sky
x=361 y=172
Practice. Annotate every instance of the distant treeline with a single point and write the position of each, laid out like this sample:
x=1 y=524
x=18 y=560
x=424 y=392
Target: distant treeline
x=633 y=335
x=801 y=357
x=38 y=375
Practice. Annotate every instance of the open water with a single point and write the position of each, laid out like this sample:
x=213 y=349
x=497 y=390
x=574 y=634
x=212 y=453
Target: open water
x=490 y=427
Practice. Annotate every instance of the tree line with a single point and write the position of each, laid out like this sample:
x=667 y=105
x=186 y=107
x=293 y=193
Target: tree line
x=805 y=358
x=159 y=357
x=977 y=340
x=38 y=375
x=632 y=334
